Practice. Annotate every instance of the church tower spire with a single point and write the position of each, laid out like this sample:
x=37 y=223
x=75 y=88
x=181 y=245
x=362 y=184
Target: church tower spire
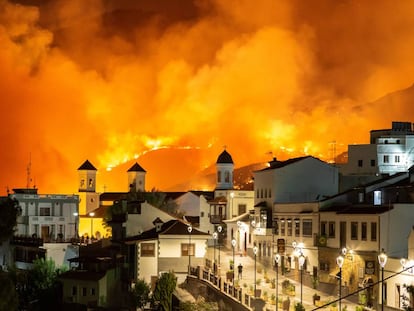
x=225 y=169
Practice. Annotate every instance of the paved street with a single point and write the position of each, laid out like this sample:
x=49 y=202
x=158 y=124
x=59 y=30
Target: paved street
x=248 y=278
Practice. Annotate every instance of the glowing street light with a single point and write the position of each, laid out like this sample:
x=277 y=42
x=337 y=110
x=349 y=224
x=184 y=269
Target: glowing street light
x=255 y=253
x=91 y=214
x=340 y=262
x=190 y=229
x=219 y=229
x=233 y=243
x=382 y=260
x=277 y=260
x=214 y=262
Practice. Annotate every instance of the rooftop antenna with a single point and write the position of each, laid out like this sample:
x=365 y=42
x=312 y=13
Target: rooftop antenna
x=28 y=172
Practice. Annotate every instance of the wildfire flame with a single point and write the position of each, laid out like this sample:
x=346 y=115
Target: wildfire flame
x=110 y=81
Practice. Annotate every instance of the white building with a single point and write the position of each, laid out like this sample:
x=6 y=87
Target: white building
x=46 y=219
x=167 y=246
x=390 y=151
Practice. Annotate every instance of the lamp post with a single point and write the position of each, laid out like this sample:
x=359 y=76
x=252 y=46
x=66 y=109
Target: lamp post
x=91 y=215
x=301 y=262
x=76 y=214
x=214 y=261
x=382 y=260
x=219 y=229
x=189 y=228
x=233 y=243
x=277 y=260
x=255 y=253
x=340 y=262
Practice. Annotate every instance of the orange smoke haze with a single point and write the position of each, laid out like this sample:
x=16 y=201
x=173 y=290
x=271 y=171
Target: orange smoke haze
x=110 y=80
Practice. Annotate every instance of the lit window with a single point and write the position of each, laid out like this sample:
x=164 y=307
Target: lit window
x=323 y=227
x=377 y=197
x=282 y=227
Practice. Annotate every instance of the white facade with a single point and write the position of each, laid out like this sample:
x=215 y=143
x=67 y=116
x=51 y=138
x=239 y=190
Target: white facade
x=304 y=179
x=389 y=151
x=48 y=216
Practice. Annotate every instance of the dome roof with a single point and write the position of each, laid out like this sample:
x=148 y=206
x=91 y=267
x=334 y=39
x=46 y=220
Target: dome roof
x=224 y=157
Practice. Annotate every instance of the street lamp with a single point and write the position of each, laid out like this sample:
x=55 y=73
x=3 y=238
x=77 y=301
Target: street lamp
x=91 y=214
x=233 y=243
x=219 y=229
x=214 y=262
x=340 y=262
x=76 y=214
x=255 y=253
x=382 y=260
x=301 y=262
x=189 y=228
x=277 y=260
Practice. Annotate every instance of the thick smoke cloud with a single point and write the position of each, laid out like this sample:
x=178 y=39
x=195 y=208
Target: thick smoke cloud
x=109 y=80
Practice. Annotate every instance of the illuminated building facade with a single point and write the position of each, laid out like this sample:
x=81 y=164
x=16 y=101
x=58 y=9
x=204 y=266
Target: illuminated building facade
x=390 y=151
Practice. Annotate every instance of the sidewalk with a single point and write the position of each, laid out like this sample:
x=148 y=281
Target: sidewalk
x=249 y=277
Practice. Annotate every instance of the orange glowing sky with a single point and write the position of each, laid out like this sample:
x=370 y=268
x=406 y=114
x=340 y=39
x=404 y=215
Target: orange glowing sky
x=109 y=80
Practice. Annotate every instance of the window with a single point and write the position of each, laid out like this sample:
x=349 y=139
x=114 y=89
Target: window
x=93 y=291
x=45 y=211
x=187 y=249
x=202 y=214
x=377 y=197
x=372 y=162
x=282 y=227
x=373 y=231
x=148 y=249
x=386 y=159
x=257 y=193
x=227 y=176
x=307 y=227
x=331 y=231
x=323 y=227
x=276 y=226
x=90 y=182
x=360 y=162
x=219 y=176
x=354 y=230
x=297 y=227
x=242 y=209
x=397 y=159
x=363 y=231
x=74 y=290
x=84 y=291
x=289 y=227
x=82 y=183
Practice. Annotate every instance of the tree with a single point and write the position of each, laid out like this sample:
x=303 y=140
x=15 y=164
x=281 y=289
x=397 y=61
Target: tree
x=43 y=285
x=200 y=305
x=9 y=210
x=140 y=294
x=8 y=294
x=163 y=291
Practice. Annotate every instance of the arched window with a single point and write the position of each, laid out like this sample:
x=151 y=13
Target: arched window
x=227 y=176
x=219 y=176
